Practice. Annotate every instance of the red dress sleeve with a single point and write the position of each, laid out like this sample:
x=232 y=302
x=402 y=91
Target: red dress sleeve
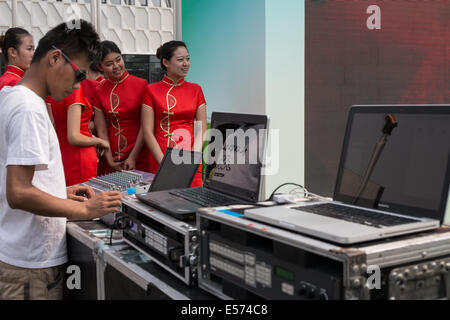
x=76 y=97
x=200 y=98
x=147 y=99
x=96 y=102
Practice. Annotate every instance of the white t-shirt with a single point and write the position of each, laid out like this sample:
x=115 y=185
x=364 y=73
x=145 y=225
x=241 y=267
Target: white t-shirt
x=27 y=137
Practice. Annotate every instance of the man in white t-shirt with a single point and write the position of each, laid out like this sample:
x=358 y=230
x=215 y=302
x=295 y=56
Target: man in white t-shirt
x=34 y=201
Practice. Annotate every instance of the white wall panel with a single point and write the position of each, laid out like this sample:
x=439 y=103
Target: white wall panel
x=155 y=19
x=5 y=16
x=142 y=19
x=136 y=28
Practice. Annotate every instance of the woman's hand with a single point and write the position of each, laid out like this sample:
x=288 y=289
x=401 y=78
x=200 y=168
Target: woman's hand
x=115 y=165
x=130 y=163
x=102 y=146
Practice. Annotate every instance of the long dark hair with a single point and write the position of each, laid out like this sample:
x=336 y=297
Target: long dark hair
x=12 y=39
x=166 y=51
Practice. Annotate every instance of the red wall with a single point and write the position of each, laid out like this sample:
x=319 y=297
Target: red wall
x=406 y=61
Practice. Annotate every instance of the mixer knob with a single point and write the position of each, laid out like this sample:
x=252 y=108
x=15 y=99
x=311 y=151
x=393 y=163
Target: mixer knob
x=323 y=295
x=303 y=289
x=312 y=292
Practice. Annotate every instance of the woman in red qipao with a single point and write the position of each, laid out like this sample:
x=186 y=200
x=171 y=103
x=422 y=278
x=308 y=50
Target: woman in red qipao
x=118 y=101
x=89 y=85
x=78 y=146
x=175 y=107
x=17 y=50
x=93 y=79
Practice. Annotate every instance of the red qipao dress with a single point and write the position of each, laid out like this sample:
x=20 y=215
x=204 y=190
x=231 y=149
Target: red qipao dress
x=89 y=87
x=175 y=106
x=121 y=103
x=80 y=163
x=11 y=76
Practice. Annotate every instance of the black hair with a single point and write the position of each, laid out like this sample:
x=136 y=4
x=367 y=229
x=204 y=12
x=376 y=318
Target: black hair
x=12 y=39
x=94 y=67
x=106 y=47
x=167 y=50
x=73 y=40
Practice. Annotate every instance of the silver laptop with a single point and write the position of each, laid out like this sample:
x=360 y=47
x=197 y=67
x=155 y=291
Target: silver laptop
x=393 y=178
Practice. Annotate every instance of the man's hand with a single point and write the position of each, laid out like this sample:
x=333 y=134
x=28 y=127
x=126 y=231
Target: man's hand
x=103 y=203
x=82 y=202
x=80 y=193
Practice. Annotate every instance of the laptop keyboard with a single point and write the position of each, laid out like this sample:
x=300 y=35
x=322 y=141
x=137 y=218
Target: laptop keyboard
x=204 y=197
x=356 y=215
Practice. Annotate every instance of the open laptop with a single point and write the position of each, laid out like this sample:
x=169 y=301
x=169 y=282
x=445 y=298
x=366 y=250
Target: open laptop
x=169 y=175
x=233 y=171
x=177 y=170
x=393 y=178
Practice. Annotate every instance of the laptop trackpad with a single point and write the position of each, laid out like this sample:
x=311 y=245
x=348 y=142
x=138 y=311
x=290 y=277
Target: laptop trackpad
x=175 y=202
x=289 y=218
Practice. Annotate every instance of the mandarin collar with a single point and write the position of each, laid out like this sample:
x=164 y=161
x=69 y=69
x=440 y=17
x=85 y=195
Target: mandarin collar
x=171 y=82
x=122 y=77
x=16 y=70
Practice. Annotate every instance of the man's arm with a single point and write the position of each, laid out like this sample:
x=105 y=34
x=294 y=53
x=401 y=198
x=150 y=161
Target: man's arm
x=21 y=194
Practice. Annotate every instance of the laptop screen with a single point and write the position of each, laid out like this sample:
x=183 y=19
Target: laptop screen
x=177 y=170
x=235 y=154
x=397 y=159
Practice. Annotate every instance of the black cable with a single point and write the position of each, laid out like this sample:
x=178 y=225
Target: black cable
x=120 y=223
x=112 y=231
x=284 y=184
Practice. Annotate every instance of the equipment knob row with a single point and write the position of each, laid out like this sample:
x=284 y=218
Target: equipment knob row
x=312 y=292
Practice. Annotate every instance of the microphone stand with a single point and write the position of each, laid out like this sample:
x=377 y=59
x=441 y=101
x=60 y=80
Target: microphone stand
x=390 y=124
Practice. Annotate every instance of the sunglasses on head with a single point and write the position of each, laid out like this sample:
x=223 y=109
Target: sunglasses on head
x=79 y=75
